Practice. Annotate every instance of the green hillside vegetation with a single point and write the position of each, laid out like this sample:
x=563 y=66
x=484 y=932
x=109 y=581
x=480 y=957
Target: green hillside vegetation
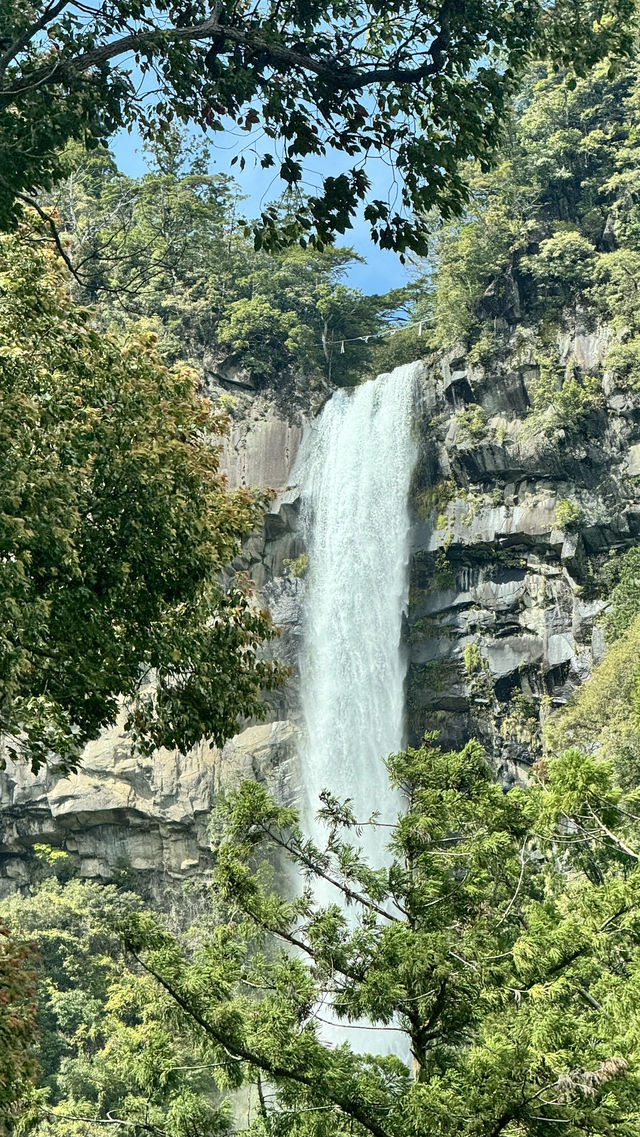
x=501 y=945
x=553 y=231
x=168 y=251
x=18 y=1065
x=605 y=712
x=109 y=1043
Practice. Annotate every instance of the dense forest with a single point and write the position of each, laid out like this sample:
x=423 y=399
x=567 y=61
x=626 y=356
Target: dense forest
x=501 y=942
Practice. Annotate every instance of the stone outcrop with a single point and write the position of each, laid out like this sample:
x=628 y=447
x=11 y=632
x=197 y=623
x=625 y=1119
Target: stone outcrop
x=261 y=445
x=124 y=813
x=515 y=513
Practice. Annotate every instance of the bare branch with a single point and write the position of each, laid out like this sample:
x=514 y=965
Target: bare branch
x=515 y=895
x=54 y=233
x=612 y=837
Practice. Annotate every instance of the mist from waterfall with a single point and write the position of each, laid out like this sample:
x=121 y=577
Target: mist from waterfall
x=355 y=471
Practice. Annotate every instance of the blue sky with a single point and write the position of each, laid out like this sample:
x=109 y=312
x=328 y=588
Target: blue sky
x=382 y=269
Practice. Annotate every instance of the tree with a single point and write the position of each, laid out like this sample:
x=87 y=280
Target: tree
x=115 y=529
x=17 y=1024
x=106 y=1044
x=499 y=946
x=424 y=85
x=556 y=221
x=168 y=248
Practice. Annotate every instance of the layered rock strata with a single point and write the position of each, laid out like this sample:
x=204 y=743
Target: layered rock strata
x=146 y=821
x=516 y=509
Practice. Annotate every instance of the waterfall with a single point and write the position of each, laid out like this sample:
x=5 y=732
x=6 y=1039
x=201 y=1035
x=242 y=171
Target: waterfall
x=354 y=471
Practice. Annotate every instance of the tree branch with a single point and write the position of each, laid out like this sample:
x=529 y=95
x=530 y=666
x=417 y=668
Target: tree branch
x=120 y=1121
x=589 y=999
x=515 y=895
x=288 y=938
x=616 y=840
x=299 y=855
x=335 y=75
x=273 y=1069
x=47 y=16
x=54 y=233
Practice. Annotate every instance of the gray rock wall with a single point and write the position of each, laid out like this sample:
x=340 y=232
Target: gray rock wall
x=515 y=515
x=261 y=445
x=503 y=620
x=122 y=813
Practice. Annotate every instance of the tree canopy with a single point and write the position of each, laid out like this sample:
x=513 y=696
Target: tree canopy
x=115 y=527
x=509 y=977
x=17 y=1025
x=499 y=947
x=106 y=1043
x=168 y=249
x=423 y=86
x=555 y=225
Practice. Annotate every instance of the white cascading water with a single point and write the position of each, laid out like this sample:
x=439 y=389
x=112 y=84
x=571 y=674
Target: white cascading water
x=355 y=471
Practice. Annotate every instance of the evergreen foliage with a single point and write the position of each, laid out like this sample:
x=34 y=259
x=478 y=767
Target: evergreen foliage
x=499 y=946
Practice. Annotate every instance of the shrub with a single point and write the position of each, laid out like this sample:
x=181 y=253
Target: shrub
x=472 y=657
x=562 y=268
x=623 y=362
x=435 y=499
x=472 y=421
x=444 y=576
x=562 y=397
x=625 y=597
x=603 y=712
x=298 y=565
x=568 y=513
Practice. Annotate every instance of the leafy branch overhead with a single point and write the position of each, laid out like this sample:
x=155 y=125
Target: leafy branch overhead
x=422 y=86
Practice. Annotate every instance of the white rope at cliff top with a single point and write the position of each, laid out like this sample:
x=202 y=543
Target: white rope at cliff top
x=419 y=324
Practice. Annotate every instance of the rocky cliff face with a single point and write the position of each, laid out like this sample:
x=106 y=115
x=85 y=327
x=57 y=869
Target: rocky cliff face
x=150 y=819
x=515 y=512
